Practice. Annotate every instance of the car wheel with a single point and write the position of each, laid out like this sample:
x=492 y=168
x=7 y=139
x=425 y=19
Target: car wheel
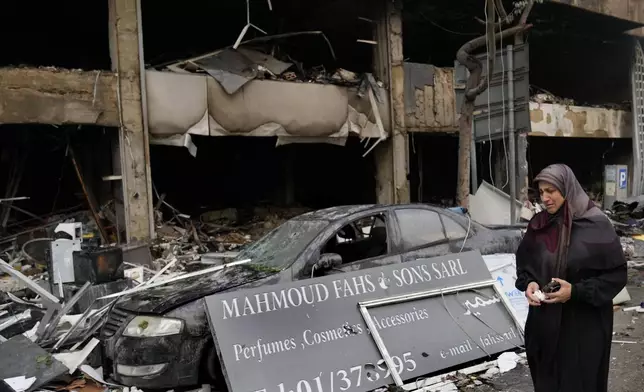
x=211 y=369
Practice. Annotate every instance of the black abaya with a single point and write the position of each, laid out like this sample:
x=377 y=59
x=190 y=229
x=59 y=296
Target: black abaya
x=568 y=345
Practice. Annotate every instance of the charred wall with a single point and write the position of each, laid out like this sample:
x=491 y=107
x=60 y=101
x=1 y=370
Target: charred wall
x=246 y=171
x=433 y=168
x=574 y=53
x=38 y=158
x=251 y=171
x=67 y=34
x=585 y=156
x=174 y=33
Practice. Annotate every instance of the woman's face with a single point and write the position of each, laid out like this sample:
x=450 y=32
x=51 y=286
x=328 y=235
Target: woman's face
x=550 y=197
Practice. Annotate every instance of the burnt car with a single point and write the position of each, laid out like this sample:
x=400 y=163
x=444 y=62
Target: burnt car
x=160 y=338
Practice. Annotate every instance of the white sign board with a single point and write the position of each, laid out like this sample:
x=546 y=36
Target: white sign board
x=503 y=268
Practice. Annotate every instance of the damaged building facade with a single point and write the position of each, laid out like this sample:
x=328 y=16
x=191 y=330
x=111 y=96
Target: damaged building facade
x=573 y=78
x=264 y=103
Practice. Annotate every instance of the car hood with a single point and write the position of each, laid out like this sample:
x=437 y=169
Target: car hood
x=166 y=297
x=504 y=241
x=488 y=241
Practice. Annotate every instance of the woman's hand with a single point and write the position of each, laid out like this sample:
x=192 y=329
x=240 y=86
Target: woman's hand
x=529 y=294
x=560 y=296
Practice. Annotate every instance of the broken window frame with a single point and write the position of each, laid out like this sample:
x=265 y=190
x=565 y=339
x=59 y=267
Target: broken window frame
x=386 y=217
x=445 y=218
x=404 y=247
x=364 y=307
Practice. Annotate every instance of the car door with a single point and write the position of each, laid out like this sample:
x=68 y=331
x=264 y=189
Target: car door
x=456 y=234
x=374 y=247
x=422 y=233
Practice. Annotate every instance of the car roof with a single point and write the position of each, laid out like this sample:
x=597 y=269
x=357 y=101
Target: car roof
x=336 y=213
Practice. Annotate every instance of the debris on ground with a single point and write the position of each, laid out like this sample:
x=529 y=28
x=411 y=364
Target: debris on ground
x=58 y=284
x=628 y=216
x=628 y=246
x=188 y=243
x=465 y=379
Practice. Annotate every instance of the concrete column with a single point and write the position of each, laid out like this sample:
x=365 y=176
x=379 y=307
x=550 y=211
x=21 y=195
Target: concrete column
x=384 y=172
x=400 y=138
x=392 y=159
x=501 y=157
x=134 y=151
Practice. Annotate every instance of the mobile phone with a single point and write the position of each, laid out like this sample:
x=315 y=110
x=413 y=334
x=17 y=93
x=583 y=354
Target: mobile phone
x=551 y=287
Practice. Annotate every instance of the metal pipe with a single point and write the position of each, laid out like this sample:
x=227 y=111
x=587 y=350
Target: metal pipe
x=511 y=136
x=82 y=320
x=474 y=168
x=53 y=324
x=50 y=300
x=177 y=278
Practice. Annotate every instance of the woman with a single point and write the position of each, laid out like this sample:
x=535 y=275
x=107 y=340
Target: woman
x=568 y=334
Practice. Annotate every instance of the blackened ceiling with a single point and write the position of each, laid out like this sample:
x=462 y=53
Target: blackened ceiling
x=202 y=26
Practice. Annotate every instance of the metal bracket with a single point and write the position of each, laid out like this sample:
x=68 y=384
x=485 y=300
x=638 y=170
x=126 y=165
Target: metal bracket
x=365 y=305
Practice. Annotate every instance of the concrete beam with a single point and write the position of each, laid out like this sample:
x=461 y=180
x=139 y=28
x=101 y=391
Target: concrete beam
x=57 y=96
x=134 y=149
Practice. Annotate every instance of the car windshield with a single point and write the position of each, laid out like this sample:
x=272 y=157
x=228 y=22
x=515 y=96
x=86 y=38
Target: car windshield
x=280 y=247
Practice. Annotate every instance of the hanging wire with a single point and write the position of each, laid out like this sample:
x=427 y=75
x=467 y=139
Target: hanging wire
x=505 y=151
x=467 y=234
x=461 y=326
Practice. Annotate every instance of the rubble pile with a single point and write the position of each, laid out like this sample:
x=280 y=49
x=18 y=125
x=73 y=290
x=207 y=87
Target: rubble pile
x=540 y=95
x=469 y=378
x=627 y=217
x=269 y=58
x=215 y=236
x=58 y=321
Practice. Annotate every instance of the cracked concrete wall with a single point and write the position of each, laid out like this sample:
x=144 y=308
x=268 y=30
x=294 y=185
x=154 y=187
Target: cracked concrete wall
x=431 y=107
x=579 y=121
x=57 y=96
